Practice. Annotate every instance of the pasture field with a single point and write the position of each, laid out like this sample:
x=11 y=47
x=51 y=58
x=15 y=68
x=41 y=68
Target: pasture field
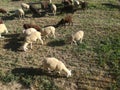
x=95 y=63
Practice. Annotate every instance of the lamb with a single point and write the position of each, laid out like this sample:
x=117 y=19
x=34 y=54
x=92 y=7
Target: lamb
x=53 y=9
x=3 y=11
x=20 y=13
x=3 y=29
x=26 y=26
x=52 y=63
x=32 y=38
x=47 y=31
x=78 y=36
x=63 y=21
x=25 y=6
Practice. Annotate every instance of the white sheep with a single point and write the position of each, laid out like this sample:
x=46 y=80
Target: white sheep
x=53 y=9
x=78 y=36
x=20 y=13
x=29 y=31
x=52 y=63
x=47 y=31
x=25 y=6
x=32 y=38
x=3 y=29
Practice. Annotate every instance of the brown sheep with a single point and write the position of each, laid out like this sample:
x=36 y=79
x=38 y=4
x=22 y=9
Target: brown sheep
x=26 y=26
x=67 y=19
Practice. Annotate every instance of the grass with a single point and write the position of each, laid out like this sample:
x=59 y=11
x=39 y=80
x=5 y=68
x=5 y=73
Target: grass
x=94 y=63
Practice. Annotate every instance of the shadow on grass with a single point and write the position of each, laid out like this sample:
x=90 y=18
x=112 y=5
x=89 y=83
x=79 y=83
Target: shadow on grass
x=111 y=6
x=13 y=43
x=56 y=43
x=34 y=71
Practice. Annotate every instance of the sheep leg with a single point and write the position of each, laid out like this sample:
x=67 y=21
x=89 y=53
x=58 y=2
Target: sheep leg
x=75 y=42
x=81 y=40
x=1 y=36
x=25 y=46
x=41 y=41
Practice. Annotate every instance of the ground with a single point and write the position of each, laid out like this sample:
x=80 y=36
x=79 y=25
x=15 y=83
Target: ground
x=94 y=63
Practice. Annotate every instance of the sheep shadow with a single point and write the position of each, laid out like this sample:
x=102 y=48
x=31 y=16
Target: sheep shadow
x=13 y=42
x=8 y=17
x=109 y=5
x=33 y=72
x=56 y=43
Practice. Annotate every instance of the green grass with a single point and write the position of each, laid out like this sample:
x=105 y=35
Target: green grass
x=99 y=52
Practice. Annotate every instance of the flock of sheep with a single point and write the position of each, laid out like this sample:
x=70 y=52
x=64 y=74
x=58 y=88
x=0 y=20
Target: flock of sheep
x=33 y=32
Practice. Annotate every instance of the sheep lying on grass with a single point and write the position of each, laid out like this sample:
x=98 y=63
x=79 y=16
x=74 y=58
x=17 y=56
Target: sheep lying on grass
x=26 y=26
x=32 y=38
x=52 y=63
x=47 y=31
x=3 y=29
x=20 y=13
x=78 y=36
x=25 y=6
x=67 y=19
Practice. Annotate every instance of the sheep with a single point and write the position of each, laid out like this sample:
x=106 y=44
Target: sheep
x=78 y=36
x=34 y=10
x=25 y=6
x=20 y=13
x=3 y=11
x=32 y=38
x=52 y=63
x=53 y=9
x=63 y=21
x=26 y=26
x=47 y=31
x=3 y=29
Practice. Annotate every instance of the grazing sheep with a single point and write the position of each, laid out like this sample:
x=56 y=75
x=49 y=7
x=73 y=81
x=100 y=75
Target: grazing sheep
x=20 y=13
x=3 y=29
x=52 y=63
x=26 y=26
x=32 y=38
x=47 y=31
x=67 y=19
x=3 y=11
x=25 y=6
x=53 y=9
x=34 y=10
x=78 y=36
